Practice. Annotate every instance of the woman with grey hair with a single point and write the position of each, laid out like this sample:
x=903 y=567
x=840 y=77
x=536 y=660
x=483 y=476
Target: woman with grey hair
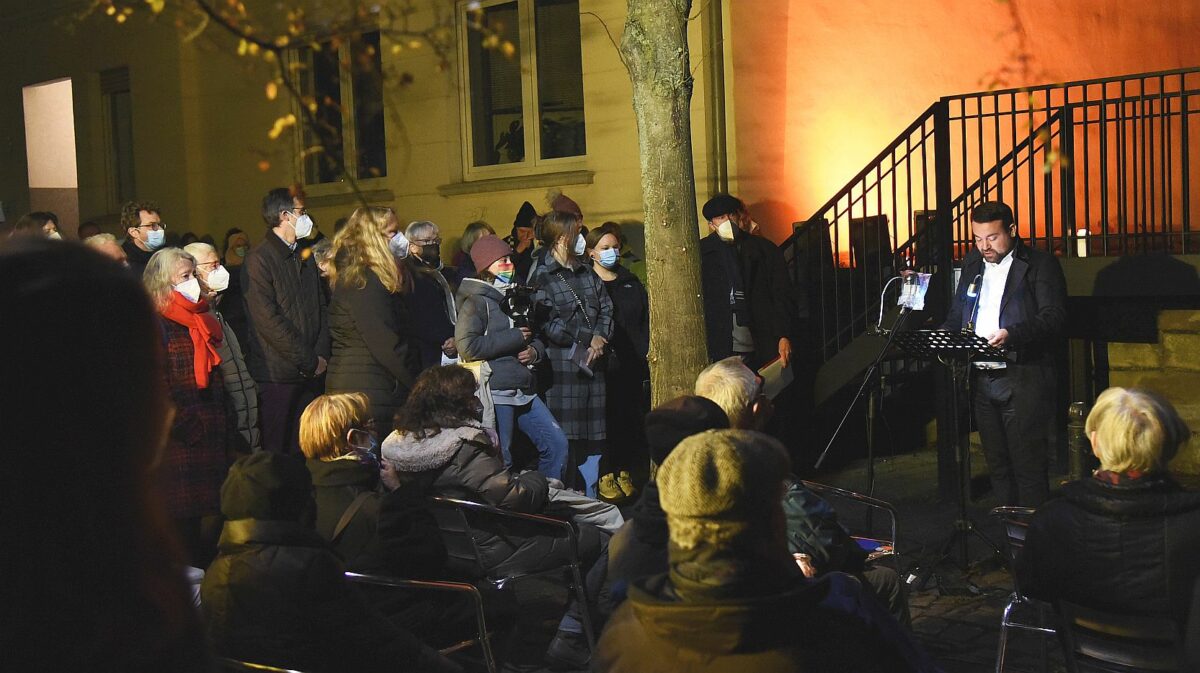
x=194 y=462
x=431 y=303
x=241 y=392
x=462 y=258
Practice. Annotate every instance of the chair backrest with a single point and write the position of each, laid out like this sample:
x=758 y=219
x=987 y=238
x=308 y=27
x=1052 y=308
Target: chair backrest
x=1016 y=525
x=464 y=524
x=844 y=501
x=1115 y=643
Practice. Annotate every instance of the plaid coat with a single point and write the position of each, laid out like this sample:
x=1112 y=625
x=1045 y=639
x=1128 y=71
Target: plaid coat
x=194 y=463
x=577 y=402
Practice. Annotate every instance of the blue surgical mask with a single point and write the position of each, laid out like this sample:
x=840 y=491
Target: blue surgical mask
x=156 y=238
x=398 y=244
x=610 y=258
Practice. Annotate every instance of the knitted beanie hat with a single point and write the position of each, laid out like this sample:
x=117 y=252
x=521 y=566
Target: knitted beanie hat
x=525 y=217
x=487 y=250
x=717 y=485
x=564 y=204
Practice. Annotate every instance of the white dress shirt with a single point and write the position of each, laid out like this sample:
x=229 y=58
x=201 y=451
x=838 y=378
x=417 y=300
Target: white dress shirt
x=991 y=292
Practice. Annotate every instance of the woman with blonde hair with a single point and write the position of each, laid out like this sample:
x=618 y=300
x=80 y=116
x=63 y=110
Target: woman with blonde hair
x=1126 y=539
x=368 y=319
x=196 y=461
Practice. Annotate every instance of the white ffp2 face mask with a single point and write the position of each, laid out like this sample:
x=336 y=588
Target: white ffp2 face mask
x=304 y=226
x=725 y=230
x=218 y=279
x=580 y=244
x=190 y=289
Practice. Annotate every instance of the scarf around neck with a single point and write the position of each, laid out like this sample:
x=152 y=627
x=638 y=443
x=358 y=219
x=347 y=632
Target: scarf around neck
x=204 y=330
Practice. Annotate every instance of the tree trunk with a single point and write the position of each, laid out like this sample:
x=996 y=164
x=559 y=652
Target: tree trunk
x=655 y=50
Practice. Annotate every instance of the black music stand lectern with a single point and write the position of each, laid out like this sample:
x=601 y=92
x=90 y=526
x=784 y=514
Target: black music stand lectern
x=952 y=349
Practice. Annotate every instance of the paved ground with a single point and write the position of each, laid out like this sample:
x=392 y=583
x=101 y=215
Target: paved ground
x=956 y=617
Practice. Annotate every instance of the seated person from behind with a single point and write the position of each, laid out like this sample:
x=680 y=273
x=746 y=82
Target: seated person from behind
x=812 y=527
x=373 y=528
x=277 y=595
x=440 y=441
x=1126 y=539
x=733 y=598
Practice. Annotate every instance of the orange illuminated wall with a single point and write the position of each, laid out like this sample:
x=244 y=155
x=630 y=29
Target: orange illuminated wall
x=820 y=86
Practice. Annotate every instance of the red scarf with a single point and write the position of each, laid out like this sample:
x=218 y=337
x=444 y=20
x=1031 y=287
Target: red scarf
x=203 y=328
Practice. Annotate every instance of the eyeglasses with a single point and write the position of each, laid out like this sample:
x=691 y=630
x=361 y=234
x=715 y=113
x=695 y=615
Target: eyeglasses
x=298 y=212
x=210 y=266
x=431 y=241
x=153 y=226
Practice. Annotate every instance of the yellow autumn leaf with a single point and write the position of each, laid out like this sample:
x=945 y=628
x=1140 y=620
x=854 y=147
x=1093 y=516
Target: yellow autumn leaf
x=242 y=47
x=272 y=90
x=156 y=6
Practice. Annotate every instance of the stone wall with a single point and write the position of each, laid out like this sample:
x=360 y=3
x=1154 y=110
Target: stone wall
x=1171 y=368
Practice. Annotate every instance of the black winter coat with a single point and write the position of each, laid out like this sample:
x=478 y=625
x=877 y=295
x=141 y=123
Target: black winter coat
x=463 y=463
x=287 y=326
x=769 y=295
x=392 y=533
x=372 y=347
x=276 y=595
x=136 y=257
x=1132 y=548
x=427 y=303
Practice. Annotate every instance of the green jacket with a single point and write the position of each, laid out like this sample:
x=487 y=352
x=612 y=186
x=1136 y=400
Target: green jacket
x=813 y=529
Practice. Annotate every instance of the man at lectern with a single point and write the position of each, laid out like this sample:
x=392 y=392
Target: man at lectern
x=1015 y=297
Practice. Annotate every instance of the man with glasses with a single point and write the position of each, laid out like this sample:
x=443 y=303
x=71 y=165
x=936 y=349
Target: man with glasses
x=145 y=233
x=288 y=343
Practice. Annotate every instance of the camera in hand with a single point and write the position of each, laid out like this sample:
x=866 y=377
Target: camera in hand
x=520 y=305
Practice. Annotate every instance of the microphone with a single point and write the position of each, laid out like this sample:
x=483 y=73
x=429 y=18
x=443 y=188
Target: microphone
x=973 y=293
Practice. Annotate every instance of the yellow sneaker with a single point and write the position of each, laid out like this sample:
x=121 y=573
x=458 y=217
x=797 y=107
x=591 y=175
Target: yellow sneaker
x=608 y=490
x=626 y=484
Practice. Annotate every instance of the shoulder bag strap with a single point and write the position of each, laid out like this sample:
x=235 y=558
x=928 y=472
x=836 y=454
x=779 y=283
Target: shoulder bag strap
x=348 y=515
x=582 y=309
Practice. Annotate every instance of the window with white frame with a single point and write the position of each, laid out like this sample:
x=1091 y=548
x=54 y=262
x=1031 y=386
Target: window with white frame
x=521 y=69
x=344 y=79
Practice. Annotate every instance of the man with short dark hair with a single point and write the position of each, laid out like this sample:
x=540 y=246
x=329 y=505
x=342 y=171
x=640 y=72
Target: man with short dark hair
x=288 y=328
x=145 y=233
x=1015 y=297
x=749 y=303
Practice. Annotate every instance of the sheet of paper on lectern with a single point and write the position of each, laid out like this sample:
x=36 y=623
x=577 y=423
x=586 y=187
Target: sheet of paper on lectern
x=776 y=377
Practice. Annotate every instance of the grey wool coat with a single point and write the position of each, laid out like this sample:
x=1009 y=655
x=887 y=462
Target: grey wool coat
x=576 y=400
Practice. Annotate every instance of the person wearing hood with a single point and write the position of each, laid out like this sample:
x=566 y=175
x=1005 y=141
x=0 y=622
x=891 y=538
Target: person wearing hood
x=440 y=441
x=195 y=461
x=277 y=595
x=431 y=302
x=749 y=303
x=627 y=372
x=1127 y=538
x=369 y=321
x=733 y=599
x=145 y=233
x=485 y=332
x=577 y=335
x=639 y=549
x=241 y=391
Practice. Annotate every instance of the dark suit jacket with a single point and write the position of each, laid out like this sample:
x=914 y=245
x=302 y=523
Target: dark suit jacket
x=768 y=293
x=1033 y=308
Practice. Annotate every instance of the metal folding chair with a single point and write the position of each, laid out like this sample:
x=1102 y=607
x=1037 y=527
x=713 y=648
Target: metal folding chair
x=483 y=636
x=1104 y=642
x=865 y=536
x=457 y=519
x=1016 y=524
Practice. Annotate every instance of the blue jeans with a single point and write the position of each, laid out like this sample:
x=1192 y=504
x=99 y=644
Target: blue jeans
x=536 y=421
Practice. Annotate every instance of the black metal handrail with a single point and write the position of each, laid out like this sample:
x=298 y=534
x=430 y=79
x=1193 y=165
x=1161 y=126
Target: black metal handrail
x=1090 y=167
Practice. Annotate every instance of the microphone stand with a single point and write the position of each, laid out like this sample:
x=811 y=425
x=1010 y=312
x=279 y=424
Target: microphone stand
x=871 y=371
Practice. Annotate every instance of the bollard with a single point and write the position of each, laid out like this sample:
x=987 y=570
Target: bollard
x=1077 y=441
